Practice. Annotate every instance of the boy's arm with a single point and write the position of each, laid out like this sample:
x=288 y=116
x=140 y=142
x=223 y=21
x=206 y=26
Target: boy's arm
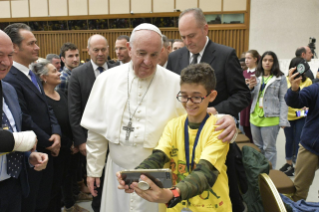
x=156 y=160
x=202 y=178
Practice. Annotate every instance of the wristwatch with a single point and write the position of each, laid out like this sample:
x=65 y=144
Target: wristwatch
x=176 y=199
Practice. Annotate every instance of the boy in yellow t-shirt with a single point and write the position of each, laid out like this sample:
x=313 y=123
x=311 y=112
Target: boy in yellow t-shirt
x=190 y=144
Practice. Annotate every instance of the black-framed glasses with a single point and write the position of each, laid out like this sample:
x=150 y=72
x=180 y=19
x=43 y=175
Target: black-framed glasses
x=184 y=98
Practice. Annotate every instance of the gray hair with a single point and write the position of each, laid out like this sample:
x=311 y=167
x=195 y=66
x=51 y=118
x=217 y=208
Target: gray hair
x=198 y=14
x=165 y=41
x=50 y=57
x=40 y=68
x=89 y=40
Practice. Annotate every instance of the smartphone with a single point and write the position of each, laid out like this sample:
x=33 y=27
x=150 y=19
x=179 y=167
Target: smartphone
x=161 y=177
x=253 y=76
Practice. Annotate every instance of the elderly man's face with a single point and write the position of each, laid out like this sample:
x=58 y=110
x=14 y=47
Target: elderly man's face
x=6 y=54
x=145 y=52
x=99 y=50
x=193 y=35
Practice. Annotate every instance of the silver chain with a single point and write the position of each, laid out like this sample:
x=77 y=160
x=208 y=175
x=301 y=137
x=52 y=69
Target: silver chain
x=128 y=94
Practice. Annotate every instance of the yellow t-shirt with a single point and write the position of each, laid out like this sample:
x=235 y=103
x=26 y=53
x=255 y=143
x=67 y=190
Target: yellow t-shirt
x=209 y=148
x=292 y=111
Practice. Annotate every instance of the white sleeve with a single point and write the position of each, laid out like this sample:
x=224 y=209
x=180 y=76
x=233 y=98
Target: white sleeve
x=24 y=141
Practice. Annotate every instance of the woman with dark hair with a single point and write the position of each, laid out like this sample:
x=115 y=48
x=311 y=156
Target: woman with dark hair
x=268 y=110
x=251 y=60
x=296 y=118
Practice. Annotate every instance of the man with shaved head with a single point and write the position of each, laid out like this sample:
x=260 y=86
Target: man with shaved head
x=80 y=86
x=126 y=114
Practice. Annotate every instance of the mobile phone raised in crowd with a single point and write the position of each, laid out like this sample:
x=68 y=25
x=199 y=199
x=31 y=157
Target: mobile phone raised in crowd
x=161 y=177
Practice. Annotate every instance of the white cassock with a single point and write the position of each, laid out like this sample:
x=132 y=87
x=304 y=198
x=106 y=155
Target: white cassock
x=106 y=114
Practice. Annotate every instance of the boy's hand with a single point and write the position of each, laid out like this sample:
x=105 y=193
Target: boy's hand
x=122 y=184
x=154 y=194
x=226 y=123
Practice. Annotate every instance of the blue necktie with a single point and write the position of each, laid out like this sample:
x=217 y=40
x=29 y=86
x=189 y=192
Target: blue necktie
x=101 y=69
x=14 y=159
x=34 y=80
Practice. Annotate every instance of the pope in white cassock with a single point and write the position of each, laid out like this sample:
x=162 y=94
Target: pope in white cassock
x=127 y=111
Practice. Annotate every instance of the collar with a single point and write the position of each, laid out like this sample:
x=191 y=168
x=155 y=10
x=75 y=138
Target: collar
x=96 y=66
x=66 y=70
x=22 y=68
x=132 y=72
x=201 y=53
x=251 y=70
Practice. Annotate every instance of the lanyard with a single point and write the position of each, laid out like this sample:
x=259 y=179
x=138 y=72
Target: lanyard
x=186 y=136
x=263 y=85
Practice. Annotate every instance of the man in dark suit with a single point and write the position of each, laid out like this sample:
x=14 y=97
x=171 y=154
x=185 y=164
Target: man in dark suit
x=80 y=85
x=233 y=94
x=13 y=175
x=36 y=114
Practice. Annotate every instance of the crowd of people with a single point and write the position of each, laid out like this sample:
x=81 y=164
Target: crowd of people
x=79 y=124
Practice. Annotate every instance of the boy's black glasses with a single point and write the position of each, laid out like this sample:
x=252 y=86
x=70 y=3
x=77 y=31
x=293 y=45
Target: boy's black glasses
x=184 y=98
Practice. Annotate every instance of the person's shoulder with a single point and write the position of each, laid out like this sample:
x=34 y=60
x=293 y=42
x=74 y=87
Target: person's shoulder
x=82 y=68
x=220 y=48
x=177 y=121
x=171 y=75
x=7 y=86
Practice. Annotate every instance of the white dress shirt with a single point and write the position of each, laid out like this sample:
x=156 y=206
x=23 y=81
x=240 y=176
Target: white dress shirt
x=201 y=53
x=97 y=71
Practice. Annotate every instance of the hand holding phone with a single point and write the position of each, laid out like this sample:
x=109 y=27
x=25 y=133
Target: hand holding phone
x=252 y=81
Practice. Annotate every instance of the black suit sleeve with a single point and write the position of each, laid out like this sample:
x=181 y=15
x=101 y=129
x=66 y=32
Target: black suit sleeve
x=239 y=94
x=7 y=141
x=75 y=110
x=27 y=122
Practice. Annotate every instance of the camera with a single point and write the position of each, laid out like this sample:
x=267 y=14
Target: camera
x=312 y=45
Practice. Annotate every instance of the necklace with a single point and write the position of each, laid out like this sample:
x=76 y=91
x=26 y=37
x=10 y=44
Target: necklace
x=129 y=127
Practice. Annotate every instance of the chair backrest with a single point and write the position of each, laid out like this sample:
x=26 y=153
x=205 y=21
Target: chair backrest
x=270 y=197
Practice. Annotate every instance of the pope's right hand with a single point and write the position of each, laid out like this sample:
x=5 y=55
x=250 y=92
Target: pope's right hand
x=90 y=183
x=122 y=184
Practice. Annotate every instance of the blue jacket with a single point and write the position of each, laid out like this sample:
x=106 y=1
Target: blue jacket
x=273 y=100
x=10 y=95
x=309 y=97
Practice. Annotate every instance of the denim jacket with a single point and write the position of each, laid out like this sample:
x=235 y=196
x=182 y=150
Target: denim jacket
x=274 y=104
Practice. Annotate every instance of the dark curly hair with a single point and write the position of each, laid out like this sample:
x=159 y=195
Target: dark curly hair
x=201 y=73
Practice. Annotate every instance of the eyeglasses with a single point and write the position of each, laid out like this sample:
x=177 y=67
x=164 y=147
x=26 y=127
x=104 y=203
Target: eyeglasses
x=195 y=99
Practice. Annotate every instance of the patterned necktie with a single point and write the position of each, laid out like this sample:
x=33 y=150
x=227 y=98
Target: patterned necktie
x=195 y=56
x=34 y=80
x=14 y=159
x=101 y=69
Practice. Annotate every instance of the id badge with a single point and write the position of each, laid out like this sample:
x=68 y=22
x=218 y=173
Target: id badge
x=260 y=102
x=186 y=210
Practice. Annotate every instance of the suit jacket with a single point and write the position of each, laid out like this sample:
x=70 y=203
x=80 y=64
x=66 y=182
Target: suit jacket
x=12 y=101
x=80 y=86
x=37 y=115
x=233 y=94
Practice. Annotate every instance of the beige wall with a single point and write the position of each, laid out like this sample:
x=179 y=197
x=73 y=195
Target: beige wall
x=45 y=8
x=282 y=26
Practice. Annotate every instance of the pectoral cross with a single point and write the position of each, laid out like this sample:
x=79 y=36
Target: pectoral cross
x=128 y=130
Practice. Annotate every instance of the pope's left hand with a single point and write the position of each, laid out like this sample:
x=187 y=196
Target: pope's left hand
x=226 y=123
x=39 y=160
x=154 y=194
